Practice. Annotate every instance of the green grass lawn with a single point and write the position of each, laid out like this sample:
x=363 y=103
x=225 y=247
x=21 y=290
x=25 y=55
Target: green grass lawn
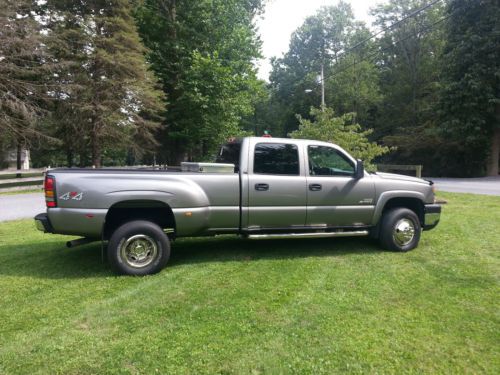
x=231 y=306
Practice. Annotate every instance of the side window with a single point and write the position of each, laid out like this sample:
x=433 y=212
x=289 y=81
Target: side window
x=327 y=161
x=230 y=153
x=276 y=158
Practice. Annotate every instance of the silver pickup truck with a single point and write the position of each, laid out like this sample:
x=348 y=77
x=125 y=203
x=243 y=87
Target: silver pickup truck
x=259 y=188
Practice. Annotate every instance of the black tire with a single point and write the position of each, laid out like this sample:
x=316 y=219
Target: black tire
x=400 y=230
x=147 y=250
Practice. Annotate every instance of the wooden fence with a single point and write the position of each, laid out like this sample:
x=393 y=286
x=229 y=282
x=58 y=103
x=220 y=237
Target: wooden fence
x=13 y=180
x=394 y=167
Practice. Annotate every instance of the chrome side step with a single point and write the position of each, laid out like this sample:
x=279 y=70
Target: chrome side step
x=355 y=233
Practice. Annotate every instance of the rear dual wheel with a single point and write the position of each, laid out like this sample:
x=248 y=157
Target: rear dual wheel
x=138 y=248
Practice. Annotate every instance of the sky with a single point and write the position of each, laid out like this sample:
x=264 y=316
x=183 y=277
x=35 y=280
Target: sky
x=282 y=17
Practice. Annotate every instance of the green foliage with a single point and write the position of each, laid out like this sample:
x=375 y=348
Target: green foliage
x=320 y=41
x=203 y=52
x=470 y=94
x=22 y=73
x=321 y=37
x=268 y=114
x=105 y=96
x=408 y=61
x=79 y=79
x=353 y=83
x=422 y=86
x=341 y=130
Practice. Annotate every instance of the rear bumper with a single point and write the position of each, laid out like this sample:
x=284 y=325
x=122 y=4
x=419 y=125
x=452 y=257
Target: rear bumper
x=432 y=216
x=42 y=223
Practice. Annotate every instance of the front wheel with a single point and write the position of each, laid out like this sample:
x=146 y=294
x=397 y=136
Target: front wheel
x=400 y=230
x=138 y=248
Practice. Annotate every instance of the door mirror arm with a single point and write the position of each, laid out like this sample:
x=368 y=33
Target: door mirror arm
x=360 y=170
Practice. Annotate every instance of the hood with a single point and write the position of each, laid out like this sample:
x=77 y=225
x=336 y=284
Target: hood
x=393 y=176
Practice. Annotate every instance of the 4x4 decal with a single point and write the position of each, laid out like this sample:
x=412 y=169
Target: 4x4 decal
x=74 y=195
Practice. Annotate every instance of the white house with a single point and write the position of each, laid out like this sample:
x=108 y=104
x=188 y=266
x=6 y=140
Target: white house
x=11 y=158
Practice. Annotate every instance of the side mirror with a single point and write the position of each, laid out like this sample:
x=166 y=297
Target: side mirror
x=360 y=170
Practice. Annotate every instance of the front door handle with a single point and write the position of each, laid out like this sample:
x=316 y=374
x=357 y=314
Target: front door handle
x=261 y=187
x=315 y=187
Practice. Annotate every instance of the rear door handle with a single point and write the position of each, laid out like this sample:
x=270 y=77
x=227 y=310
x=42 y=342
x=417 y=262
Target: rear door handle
x=261 y=187
x=315 y=187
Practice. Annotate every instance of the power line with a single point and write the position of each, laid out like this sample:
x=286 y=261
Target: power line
x=422 y=30
x=412 y=14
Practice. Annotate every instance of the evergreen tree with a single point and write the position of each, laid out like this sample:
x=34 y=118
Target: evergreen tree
x=107 y=97
x=23 y=66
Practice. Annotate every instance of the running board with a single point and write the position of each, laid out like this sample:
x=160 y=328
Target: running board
x=355 y=233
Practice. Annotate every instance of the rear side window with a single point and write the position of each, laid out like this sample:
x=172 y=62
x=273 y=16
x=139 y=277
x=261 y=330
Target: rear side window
x=276 y=158
x=230 y=153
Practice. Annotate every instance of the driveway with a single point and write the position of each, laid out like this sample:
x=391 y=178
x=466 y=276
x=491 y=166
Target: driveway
x=21 y=206
x=483 y=185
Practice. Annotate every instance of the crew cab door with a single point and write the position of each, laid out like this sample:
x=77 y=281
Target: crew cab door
x=335 y=197
x=276 y=185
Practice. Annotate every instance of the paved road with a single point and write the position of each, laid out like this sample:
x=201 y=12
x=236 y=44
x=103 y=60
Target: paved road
x=21 y=206
x=483 y=185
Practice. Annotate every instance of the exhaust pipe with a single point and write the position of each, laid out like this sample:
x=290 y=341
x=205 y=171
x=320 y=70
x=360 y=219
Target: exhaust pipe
x=79 y=241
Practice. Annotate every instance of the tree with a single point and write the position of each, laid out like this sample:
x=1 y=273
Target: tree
x=353 y=83
x=408 y=61
x=203 y=53
x=470 y=104
x=23 y=67
x=106 y=96
x=320 y=44
x=325 y=126
x=268 y=115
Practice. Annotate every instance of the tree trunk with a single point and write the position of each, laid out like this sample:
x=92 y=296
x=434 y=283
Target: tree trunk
x=69 y=158
x=96 y=150
x=83 y=159
x=494 y=153
x=322 y=87
x=204 y=149
x=18 y=158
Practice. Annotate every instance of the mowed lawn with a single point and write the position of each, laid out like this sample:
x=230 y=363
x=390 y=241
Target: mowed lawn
x=232 y=306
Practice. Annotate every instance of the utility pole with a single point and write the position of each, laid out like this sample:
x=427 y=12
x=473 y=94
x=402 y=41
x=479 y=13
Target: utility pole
x=322 y=88
x=322 y=81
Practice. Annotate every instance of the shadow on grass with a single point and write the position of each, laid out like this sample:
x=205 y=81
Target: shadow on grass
x=227 y=249
x=52 y=260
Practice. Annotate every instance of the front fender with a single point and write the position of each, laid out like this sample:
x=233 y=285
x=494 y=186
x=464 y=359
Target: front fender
x=388 y=195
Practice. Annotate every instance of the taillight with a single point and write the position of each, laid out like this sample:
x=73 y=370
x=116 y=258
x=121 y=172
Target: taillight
x=50 y=191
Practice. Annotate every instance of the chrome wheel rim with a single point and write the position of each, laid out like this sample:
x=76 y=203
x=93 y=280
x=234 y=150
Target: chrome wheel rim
x=404 y=232
x=139 y=251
